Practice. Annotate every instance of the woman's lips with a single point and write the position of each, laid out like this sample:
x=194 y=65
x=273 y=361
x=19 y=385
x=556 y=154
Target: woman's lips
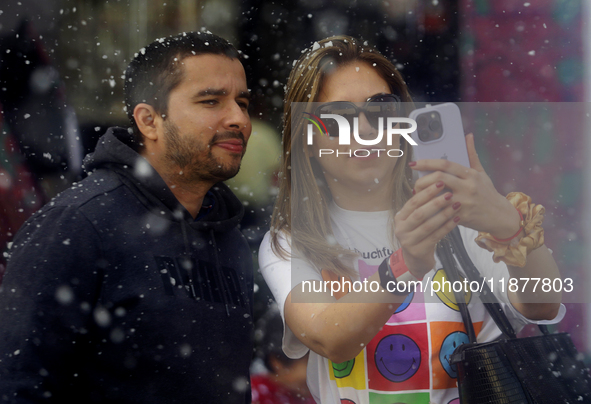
x=362 y=154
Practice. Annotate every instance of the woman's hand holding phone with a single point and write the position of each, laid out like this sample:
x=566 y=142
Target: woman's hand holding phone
x=424 y=220
x=482 y=207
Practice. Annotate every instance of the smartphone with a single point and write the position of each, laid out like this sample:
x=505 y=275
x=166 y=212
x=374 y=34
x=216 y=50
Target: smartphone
x=439 y=134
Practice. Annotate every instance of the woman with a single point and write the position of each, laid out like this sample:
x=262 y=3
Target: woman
x=339 y=218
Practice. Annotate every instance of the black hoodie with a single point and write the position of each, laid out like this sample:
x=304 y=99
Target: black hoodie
x=113 y=293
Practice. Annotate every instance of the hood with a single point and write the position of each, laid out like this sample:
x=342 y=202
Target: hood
x=115 y=152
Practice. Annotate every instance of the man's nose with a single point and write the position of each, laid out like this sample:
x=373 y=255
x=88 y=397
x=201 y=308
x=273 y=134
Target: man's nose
x=237 y=118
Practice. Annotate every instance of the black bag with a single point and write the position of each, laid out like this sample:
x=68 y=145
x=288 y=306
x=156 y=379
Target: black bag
x=538 y=370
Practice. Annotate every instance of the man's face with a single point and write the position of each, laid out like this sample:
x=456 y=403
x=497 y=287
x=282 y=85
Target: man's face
x=207 y=125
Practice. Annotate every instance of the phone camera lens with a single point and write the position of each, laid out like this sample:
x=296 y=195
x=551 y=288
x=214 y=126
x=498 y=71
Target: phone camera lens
x=435 y=126
x=424 y=135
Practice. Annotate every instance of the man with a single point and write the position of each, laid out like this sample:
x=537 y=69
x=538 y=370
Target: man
x=135 y=285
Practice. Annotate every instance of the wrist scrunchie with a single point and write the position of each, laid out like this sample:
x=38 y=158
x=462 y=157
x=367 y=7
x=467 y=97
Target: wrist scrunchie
x=514 y=251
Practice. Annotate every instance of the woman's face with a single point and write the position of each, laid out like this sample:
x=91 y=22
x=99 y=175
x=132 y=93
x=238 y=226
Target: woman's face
x=362 y=176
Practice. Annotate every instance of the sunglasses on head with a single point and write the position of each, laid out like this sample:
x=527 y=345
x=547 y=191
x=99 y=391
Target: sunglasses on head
x=378 y=106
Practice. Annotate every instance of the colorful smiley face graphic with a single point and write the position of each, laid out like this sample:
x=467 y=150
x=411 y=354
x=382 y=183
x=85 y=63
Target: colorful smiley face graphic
x=343 y=369
x=405 y=303
x=449 y=345
x=444 y=291
x=397 y=357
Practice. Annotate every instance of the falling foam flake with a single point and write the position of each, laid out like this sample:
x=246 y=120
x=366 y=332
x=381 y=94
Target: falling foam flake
x=240 y=384
x=102 y=317
x=315 y=46
x=117 y=335
x=64 y=295
x=142 y=168
x=532 y=53
x=186 y=350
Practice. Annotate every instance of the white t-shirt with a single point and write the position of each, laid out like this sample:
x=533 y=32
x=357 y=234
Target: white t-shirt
x=406 y=362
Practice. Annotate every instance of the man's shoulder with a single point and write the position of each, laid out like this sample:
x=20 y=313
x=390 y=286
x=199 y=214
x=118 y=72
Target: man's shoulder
x=89 y=194
x=98 y=184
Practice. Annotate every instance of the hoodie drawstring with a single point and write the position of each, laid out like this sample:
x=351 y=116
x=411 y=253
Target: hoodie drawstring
x=221 y=277
x=223 y=284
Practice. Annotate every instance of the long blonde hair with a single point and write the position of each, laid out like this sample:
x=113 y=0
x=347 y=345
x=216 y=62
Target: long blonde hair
x=312 y=234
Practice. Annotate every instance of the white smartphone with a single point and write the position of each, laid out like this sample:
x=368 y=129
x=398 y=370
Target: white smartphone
x=439 y=134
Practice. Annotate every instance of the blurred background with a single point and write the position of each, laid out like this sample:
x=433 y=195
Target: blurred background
x=62 y=61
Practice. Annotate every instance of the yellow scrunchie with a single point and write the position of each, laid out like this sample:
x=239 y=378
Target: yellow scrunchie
x=515 y=252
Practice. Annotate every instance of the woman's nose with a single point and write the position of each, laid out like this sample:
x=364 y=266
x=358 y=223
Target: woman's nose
x=365 y=128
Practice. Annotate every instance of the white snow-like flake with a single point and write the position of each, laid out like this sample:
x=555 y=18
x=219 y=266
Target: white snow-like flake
x=117 y=335
x=64 y=295
x=102 y=317
x=66 y=242
x=328 y=44
x=240 y=384
x=186 y=350
x=531 y=53
x=315 y=46
x=120 y=311
x=142 y=168
x=27 y=116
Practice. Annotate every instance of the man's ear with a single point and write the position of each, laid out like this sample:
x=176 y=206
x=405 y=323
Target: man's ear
x=145 y=118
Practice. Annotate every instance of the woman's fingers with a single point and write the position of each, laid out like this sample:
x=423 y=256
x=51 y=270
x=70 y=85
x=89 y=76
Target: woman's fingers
x=472 y=155
x=419 y=199
x=446 y=166
x=451 y=181
x=428 y=221
x=437 y=227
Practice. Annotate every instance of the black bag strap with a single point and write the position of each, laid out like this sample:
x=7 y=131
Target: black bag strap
x=445 y=253
x=487 y=297
x=489 y=300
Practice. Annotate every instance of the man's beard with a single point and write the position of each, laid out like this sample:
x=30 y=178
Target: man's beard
x=194 y=160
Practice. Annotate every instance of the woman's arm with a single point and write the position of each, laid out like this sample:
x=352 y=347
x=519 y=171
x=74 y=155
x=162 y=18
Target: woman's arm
x=484 y=209
x=340 y=330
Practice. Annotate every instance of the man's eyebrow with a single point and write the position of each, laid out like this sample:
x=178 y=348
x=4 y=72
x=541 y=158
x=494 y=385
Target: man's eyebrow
x=220 y=92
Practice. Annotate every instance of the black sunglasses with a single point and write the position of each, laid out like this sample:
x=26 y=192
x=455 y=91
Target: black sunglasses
x=378 y=106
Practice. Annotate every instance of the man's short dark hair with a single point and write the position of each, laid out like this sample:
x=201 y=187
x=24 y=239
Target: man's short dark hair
x=156 y=69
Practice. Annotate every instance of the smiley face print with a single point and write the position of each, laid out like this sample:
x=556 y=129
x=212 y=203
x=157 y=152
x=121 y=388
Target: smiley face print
x=397 y=357
x=450 y=343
